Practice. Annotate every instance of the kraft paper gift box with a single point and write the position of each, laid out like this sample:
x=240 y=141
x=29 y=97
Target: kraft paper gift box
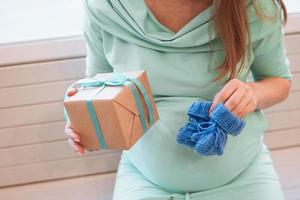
x=111 y=110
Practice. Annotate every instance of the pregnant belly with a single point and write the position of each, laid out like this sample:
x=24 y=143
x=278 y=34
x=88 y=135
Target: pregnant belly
x=177 y=168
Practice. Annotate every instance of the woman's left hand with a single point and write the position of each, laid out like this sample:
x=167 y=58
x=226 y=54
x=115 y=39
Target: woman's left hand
x=239 y=97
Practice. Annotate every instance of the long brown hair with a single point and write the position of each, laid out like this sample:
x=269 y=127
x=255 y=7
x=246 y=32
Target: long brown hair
x=235 y=32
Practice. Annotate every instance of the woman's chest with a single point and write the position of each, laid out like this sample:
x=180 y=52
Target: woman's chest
x=169 y=73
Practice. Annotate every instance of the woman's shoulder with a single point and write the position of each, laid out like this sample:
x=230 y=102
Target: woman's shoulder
x=266 y=11
x=105 y=15
x=264 y=17
x=102 y=10
x=98 y=8
x=110 y=15
x=264 y=8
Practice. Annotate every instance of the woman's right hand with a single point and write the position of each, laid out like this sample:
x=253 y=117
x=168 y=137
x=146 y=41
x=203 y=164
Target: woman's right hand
x=73 y=137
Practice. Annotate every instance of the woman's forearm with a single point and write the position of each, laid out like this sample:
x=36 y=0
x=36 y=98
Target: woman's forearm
x=270 y=91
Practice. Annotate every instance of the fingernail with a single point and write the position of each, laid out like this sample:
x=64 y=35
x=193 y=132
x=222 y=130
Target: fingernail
x=77 y=139
x=72 y=92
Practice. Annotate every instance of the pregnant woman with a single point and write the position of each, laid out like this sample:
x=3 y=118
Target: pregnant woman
x=194 y=50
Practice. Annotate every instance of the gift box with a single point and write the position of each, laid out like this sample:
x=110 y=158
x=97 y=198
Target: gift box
x=111 y=110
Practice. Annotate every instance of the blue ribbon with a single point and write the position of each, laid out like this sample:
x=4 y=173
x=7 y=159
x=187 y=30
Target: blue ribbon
x=116 y=79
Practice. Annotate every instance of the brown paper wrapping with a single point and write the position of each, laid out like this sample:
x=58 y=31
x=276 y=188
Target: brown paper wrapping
x=116 y=111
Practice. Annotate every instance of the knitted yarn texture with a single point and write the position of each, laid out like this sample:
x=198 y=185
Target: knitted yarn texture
x=207 y=135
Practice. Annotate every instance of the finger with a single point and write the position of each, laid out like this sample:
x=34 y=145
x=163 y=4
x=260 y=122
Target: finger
x=248 y=108
x=241 y=106
x=212 y=105
x=236 y=98
x=71 y=91
x=70 y=131
x=224 y=94
x=71 y=134
x=76 y=146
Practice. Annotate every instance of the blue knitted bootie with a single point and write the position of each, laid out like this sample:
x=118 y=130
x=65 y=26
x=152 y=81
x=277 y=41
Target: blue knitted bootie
x=207 y=135
x=226 y=120
x=185 y=133
x=197 y=113
x=212 y=143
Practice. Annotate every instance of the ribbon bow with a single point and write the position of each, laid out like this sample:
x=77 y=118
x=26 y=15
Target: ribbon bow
x=117 y=79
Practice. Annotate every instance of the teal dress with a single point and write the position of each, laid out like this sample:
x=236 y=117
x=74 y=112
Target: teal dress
x=124 y=35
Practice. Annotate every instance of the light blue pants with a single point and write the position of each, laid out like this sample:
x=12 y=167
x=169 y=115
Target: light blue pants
x=257 y=182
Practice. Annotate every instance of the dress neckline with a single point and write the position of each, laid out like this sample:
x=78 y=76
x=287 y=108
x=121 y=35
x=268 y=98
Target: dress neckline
x=140 y=17
x=203 y=16
x=130 y=21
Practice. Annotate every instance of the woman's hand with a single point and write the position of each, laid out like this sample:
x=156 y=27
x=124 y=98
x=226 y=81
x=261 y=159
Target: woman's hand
x=239 y=97
x=73 y=137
